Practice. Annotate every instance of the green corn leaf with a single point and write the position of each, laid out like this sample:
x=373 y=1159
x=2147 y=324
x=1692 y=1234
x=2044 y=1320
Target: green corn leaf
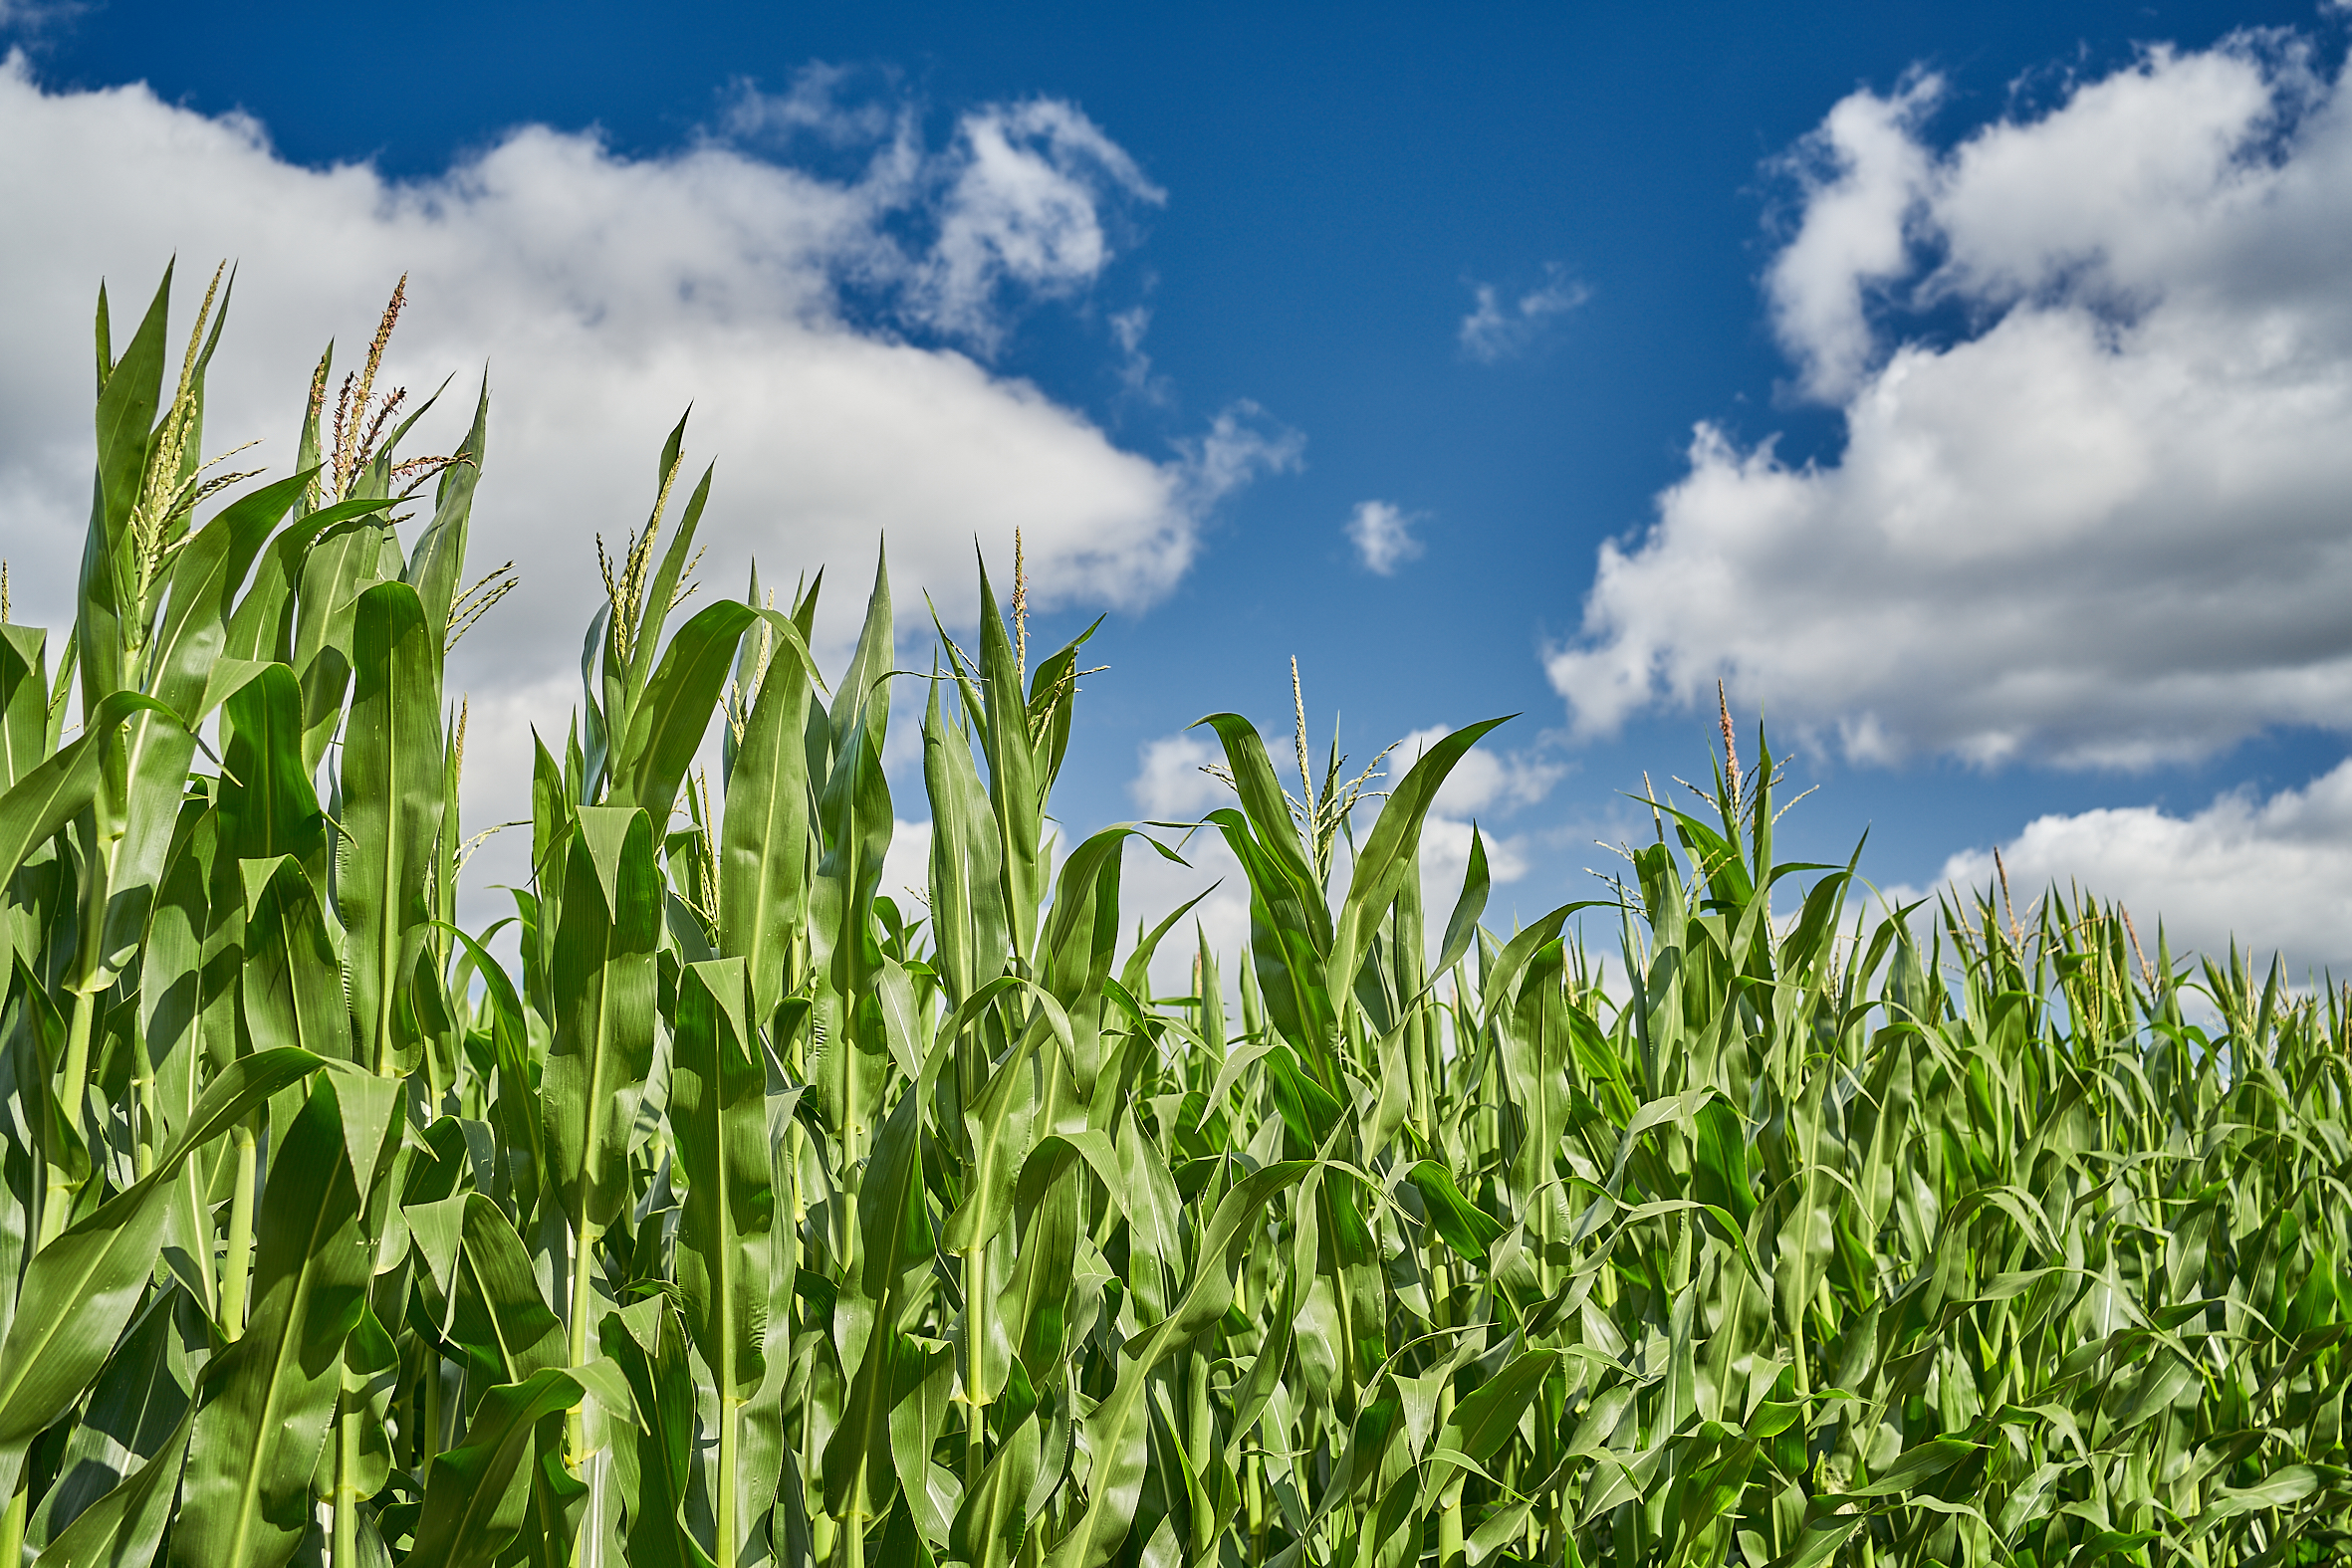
x=131 y=393
x=605 y=984
x=1289 y=939
x=1391 y=853
x=123 y=1529
x=1488 y=1416
x=268 y=1400
x=1014 y=794
x=155 y=752
x=1080 y=941
x=667 y=726
x=136 y=1409
x=477 y=1495
x=392 y=804
x=920 y=1384
x=40 y=803
x=1114 y=1431
x=726 y=1252
x=1917 y=1463
x=290 y=990
x=517 y=1108
x=1462 y=925
x=437 y=565
x=24 y=702
x=970 y=936
x=81 y=1289
x=861 y=701
x=267 y=803
x=498 y=1319
x=205 y=578
x=994 y=1519
x=1050 y=690
x=1470 y=1231
x=1033 y=1310
x=262 y=627
x=858 y=1468
x=657 y=1459
x=1267 y=818
x=763 y=860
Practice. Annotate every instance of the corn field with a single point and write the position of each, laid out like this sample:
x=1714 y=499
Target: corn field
x=754 y=1213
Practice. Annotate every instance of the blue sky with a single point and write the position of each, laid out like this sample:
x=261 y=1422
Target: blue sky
x=2019 y=331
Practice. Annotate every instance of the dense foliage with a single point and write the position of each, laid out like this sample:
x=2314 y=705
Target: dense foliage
x=762 y=1215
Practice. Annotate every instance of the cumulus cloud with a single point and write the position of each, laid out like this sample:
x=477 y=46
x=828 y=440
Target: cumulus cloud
x=1384 y=535
x=1169 y=785
x=1493 y=330
x=607 y=293
x=906 y=867
x=2103 y=524
x=1862 y=173
x=2276 y=874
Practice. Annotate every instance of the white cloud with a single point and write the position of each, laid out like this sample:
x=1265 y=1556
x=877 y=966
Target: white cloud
x=1494 y=331
x=607 y=293
x=32 y=16
x=1127 y=328
x=813 y=105
x=1862 y=173
x=906 y=869
x=1384 y=535
x=1169 y=785
x=1025 y=207
x=2102 y=527
x=1241 y=444
x=1445 y=862
x=2276 y=874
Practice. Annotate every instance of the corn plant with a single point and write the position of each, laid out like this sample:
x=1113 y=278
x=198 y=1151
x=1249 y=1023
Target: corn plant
x=754 y=1214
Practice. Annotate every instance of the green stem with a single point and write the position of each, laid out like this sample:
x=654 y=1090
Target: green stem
x=1449 y=1499
x=142 y=1087
x=1254 y=1499
x=976 y=1308
x=583 y=1250
x=12 y=1526
x=57 y=1199
x=346 y=1486
x=730 y=1417
x=237 y=1264
x=428 y=1427
x=852 y=1551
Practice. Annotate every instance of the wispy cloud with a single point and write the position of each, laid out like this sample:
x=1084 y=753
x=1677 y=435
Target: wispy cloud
x=1023 y=207
x=1384 y=535
x=1495 y=331
x=818 y=102
x=1127 y=328
x=33 y=16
